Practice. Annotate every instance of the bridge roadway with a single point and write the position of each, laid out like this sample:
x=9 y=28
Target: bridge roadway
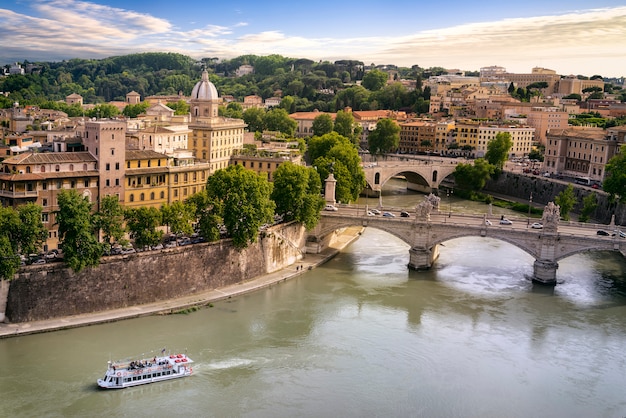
x=547 y=246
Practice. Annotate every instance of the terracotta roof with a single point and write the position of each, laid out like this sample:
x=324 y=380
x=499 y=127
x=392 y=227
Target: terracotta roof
x=143 y=154
x=50 y=158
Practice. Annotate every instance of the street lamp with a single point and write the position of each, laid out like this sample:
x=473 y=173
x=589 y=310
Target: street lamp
x=449 y=193
x=530 y=203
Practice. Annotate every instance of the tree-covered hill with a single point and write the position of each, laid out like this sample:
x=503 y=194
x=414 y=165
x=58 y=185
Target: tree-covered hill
x=323 y=85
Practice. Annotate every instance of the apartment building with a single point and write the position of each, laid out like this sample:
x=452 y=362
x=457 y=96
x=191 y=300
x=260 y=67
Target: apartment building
x=39 y=177
x=546 y=118
x=417 y=137
x=477 y=135
x=581 y=151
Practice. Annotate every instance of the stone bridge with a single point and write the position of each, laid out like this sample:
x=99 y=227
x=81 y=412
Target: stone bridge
x=424 y=232
x=421 y=175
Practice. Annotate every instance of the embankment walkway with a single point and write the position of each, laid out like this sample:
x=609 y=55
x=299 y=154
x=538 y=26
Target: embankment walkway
x=199 y=299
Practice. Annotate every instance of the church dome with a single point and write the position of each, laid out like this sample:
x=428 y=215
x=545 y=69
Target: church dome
x=204 y=89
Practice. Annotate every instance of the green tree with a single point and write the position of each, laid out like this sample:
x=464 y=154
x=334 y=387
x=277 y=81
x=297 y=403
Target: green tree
x=254 y=117
x=566 y=200
x=245 y=197
x=110 y=220
x=178 y=217
x=76 y=231
x=346 y=126
x=278 y=119
x=134 y=110
x=590 y=203
x=9 y=245
x=32 y=232
x=385 y=138
x=319 y=146
x=297 y=194
x=207 y=212
x=375 y=80
x=322 y=124
x=180 y=107
x=498 y=149
x=103 y=111
x=233 y=110
x=615 y=178
x=142 y=223
x=473 y=177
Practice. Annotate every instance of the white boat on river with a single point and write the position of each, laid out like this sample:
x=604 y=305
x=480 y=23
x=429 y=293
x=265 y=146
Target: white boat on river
x=123 y=374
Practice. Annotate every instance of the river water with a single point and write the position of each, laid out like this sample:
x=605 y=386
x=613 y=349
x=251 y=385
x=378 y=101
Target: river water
x=361 y=336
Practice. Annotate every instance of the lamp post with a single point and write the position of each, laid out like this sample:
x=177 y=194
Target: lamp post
x=449 y=193
x=530 y=203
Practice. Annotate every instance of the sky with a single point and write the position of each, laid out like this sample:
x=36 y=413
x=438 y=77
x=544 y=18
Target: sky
x=568 y=36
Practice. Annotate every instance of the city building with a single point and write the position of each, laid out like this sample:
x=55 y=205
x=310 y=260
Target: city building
x=476 y=135
x=214 y=138
x=581 y=151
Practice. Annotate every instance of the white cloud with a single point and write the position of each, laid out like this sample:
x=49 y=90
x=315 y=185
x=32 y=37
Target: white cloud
x=588 y=41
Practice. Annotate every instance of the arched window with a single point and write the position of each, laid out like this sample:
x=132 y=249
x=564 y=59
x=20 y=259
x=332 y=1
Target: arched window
x=162 y=194
x=57 y=168
x=142 y=197
x=28 y=169
x=152 y=196
x=131 y=197
x=377 y=178
x=71 y=167
x=42 y=169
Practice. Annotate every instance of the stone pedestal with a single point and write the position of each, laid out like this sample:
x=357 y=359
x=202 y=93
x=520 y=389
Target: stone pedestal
x=545 y=272
x=329 y=191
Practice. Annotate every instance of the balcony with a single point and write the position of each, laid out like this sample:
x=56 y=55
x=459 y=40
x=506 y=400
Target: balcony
x=18 y=194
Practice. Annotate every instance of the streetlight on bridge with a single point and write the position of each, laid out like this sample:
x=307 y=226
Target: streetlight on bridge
x=449 y=193
x=530 y=203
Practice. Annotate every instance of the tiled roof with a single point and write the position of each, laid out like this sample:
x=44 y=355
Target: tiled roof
x=50 y=158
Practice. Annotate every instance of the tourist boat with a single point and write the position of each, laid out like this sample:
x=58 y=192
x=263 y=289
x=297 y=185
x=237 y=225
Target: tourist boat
x=126 y=373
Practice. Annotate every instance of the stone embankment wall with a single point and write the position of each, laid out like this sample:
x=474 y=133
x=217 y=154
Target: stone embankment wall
x=545 y=190
x=51 y=291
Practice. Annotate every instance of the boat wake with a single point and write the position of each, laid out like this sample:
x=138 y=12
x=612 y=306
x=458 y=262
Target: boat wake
x=229 y=364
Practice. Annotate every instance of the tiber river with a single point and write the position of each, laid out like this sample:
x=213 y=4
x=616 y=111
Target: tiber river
x=360 y=336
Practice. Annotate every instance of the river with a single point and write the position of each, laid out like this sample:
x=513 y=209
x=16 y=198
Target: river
x=360 y=336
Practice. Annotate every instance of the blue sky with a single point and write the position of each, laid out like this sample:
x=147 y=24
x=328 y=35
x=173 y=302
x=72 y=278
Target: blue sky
x=571 y=37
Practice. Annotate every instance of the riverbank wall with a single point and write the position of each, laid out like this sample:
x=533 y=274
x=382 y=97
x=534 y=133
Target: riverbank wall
x=519 y=188
x=52 y=290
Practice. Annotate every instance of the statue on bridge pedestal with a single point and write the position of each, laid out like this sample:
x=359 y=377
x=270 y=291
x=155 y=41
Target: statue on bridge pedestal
x=551 y=216
x=423 y=209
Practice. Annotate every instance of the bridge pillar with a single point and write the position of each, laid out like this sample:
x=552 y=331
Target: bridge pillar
x=545 y=272
x=423 y=258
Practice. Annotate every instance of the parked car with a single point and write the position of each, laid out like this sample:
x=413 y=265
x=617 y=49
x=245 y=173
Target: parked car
x=370 y=213
x=603 y=233
x=375 y=211
x=536 y=225
x=505 y=221
x=39 y=261
x=170 y=244
x=621 y=234
x=388 y=215
x=331 y=208
x=404 y=214
x=488 y=222
x=157 y=247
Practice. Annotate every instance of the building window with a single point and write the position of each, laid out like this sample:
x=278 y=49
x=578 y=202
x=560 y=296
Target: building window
x=44 y=202
x=117 y=166
x=131 y=197
x=57 y=168
x=176 y=193
x=127 y=164
x=117 y=182
x=44 y=185
x=152 y=196
x=59 y=185
x=108 y=167
x=107 y=182
x=44 y=217
x=86 y=182
x=142 y=197
x=43 y=169
x=71 y=167
x=112 y=151
x=73 y=184
x=162 y=194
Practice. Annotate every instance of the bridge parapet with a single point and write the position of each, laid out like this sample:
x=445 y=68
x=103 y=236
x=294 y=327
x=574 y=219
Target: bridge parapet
x=547 y=246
